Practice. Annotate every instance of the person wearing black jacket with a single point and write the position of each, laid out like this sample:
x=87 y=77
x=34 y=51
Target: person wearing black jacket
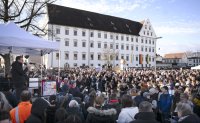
x=145 y=114
x=38 y=111
x=18 y=76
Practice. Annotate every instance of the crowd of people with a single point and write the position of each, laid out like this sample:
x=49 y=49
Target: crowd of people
x=106 y=96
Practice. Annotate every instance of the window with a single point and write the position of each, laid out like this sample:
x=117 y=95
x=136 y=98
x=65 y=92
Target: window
x=151 y=34
x=153 y=42
x=66 y=31
x=75 y=32
x=83 y=33
x=137 y=40
x=99 y=57
x=83 y=56
x=122 y=47
x=142 y=41
x=149 y=49
x=105 y=36
x=152 y=49
x=144 y=32
x=75 y=43
x=57 y=31
x=131 y=39
x=122 y=37
x=99 y=45
x=92 y=44
x=136 y=58
x=105 y=45
x=132 y=47
x=83 y=44
x=142 y=48
x=111 y=46
x=75 y=56
x=117 y=46
x=149 y=27
x=99 y=35
x=117 y=37
x=147 y=32
x=145 y=26
x=57 y=56
x=127 y=57
x=153 y=59
x=67 y=56
x=122 y=56
x=146 y=41
x=127 y=38
x=67 y=42
x=149 y=41
x=145 y=49
x=91 y=56
x=136 y=48
x=75 y=65
x=91 y=34
x=57 y=39
x=127 y=47
x=111 y=36
x=117 y=58
x=91 y=65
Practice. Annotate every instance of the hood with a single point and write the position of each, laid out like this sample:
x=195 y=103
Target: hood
x=108 y=112
x=38 y=108
x=145 y=116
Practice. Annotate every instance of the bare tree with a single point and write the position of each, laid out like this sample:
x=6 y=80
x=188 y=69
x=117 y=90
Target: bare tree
x=108 y=55
x=25 y=13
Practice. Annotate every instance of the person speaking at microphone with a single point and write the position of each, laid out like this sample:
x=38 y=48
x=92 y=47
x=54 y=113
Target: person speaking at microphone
x=18 y=76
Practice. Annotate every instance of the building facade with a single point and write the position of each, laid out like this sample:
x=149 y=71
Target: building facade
x=92 y=39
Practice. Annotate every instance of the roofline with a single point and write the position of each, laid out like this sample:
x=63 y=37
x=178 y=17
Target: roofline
x=95 y=12
x=93 y=29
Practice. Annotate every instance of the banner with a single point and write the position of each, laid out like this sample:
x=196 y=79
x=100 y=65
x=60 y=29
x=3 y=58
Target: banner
x=147 y=59
x=140 y=59
x=49 y=88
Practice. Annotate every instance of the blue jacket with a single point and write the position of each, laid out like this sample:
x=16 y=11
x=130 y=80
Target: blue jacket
x=165 y=102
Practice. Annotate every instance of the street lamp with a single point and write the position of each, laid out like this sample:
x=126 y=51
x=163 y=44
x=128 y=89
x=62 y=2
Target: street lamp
x=156 y=51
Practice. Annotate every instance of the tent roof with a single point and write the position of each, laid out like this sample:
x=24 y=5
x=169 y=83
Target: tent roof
x=196 y=68
x=17 y=40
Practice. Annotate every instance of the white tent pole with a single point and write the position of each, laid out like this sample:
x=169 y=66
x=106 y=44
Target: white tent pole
x=41 y=73
x=59 y=59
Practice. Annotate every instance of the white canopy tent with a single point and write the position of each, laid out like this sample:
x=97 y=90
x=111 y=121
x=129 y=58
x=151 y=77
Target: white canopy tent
x=196 y=68
x=14 y=39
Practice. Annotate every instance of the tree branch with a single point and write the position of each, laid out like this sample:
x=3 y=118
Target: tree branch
x=20 y=11
x=11 y=4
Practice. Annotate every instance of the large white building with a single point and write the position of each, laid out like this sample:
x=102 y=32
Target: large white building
x=93 y=39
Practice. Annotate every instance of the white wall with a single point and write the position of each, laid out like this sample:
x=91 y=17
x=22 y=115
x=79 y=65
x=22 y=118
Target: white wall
x=79 y=49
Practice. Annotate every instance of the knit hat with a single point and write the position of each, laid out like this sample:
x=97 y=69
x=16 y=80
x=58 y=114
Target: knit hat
x=153 y=91
x=73 y=103
x=165 y=87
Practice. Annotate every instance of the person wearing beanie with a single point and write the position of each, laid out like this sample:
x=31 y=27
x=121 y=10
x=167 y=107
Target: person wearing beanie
x=51 y=109
x=74 y=109
x=164 y=104
x=38 y=111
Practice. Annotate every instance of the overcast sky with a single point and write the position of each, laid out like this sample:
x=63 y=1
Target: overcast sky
x=177 y=21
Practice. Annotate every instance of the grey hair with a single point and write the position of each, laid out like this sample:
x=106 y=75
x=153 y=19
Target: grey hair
x=145 y=107
x=184 y=109
x=4 y=103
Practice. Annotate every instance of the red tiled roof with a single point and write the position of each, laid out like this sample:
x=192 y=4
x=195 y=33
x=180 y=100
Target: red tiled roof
x=174 y=55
